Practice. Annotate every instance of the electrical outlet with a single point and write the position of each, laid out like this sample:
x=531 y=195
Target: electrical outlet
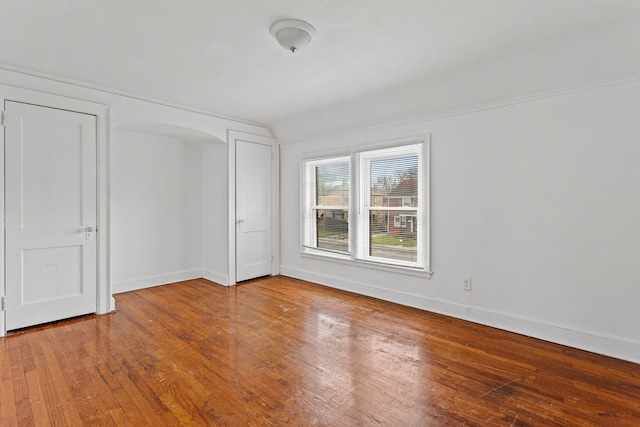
x=466 y=283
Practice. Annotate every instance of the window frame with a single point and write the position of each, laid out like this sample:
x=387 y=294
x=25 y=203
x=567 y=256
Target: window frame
x=356 y=208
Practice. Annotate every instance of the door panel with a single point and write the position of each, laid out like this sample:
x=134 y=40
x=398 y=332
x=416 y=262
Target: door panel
x=41 y=267
x=253 y=210
x=50 y=202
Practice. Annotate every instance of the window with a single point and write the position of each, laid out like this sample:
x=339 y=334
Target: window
x=369 y=206
x=326 y=222
x=400 y=221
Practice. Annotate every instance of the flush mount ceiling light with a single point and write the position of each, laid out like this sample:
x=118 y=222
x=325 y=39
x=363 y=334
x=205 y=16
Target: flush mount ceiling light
x=292 y=34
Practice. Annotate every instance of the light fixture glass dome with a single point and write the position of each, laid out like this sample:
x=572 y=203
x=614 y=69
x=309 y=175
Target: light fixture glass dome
x=292 y=34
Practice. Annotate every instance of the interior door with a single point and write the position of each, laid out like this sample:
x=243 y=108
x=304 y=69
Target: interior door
x=50 y=218
x=253 y=210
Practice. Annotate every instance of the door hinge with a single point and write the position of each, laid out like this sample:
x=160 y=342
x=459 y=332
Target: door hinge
x=3 y=118
x=3 y=303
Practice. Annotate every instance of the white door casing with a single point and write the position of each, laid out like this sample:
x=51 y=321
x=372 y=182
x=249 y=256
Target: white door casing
x=50 y=205
x=253 y=206
x=43 y=214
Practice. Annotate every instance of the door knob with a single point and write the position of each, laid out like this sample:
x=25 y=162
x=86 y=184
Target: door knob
x=87 y=232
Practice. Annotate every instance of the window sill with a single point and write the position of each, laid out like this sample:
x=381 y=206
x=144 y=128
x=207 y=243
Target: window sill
x=347 y=260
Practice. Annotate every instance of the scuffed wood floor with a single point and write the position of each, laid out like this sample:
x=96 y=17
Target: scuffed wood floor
x=278 y=351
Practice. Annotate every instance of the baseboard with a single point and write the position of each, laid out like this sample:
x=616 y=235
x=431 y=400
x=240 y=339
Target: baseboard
x=150 y=281
x=220 y=279
x=584 y=340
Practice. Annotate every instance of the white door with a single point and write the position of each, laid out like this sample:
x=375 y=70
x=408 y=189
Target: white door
x=253 y=210
x=50 y=203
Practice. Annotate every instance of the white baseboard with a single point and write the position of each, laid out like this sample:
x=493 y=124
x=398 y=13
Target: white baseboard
x=220 y=279
x=584 y=340
x=150 y=281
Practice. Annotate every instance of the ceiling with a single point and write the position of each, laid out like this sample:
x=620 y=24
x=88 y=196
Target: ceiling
x=218 y=55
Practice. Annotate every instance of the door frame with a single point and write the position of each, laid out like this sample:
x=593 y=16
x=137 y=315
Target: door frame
x=105 y=302
x=232 y=138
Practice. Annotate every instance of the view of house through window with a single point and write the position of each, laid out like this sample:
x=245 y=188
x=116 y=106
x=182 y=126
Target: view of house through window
x=390 y=180
x=378 y=218
x=332 y=206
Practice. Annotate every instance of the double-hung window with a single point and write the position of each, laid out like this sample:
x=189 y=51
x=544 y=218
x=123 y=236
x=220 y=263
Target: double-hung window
x=327 y=193
x=369 y=206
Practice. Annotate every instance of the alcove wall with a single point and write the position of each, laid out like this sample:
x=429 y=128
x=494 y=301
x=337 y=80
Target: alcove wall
x=169 y=205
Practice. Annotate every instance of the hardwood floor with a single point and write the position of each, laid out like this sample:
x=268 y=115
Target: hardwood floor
x=278 y=351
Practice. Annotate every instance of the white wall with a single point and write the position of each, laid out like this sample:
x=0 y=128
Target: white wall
x=215 y=213
x=169 y=207
x=535 y=200
x=156 y=214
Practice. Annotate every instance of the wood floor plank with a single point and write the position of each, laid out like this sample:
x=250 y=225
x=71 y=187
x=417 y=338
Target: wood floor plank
x=130 y=410
x=142 y=401
x=52 y=397
x=38 y=405
x=8 y=414
x=58 y=394
x=279 y=351
x=24 y=412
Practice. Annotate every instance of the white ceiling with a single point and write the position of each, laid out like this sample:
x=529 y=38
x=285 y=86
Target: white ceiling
x=218 y=55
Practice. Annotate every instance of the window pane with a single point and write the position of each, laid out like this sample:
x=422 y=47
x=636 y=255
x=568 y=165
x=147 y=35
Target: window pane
x=332 y=229
x=332 y=184
x=394 y=181
x=392 y=235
